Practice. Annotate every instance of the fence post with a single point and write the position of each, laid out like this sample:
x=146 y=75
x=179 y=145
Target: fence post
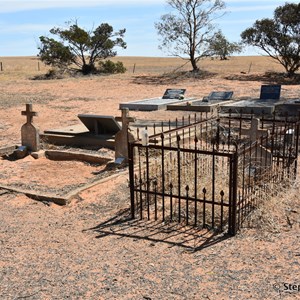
x=250 y=67
x=131 y=177
x=179 y=177
x=1 y=66
x=232 y=228
x=163 y=174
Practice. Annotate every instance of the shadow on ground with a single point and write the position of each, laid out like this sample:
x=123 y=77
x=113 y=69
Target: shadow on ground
x=267 y=78
x=172 y=78
x=173 y=234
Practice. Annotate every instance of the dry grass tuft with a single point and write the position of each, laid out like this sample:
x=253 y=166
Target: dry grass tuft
x=272 y=213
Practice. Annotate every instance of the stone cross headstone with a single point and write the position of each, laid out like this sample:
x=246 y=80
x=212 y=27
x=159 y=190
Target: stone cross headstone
x=29 y=133
x=123 y=136
x=254 y=132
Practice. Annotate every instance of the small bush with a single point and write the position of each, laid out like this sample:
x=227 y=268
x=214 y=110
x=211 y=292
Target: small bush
x=110 y=67
x=51 y=74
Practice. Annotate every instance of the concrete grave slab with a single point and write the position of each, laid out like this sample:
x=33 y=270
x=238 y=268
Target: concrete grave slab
x=149 y=104
x=204 y=105
x=170 y=96
x=290 y=107
x=69 y=130
x=208 y=104
x=197 y=105
x=257 y=107
x=269 y=99
x=76 y=135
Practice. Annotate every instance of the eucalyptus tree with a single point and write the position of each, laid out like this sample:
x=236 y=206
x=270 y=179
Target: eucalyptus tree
x=221 y=47
x=77 y=47
x=278 y=37
x=188 y=29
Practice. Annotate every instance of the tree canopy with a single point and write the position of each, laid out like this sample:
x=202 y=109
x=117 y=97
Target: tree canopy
x=79 y=47
x=278 y=37
x=221 y=47
x=189 y=28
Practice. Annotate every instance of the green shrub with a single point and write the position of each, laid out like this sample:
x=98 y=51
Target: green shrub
x=110 y=67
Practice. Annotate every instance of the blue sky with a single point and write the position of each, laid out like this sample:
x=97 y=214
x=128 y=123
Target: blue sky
x=22 y=21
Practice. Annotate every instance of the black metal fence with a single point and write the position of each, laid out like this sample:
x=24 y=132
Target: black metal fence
x=211 y=172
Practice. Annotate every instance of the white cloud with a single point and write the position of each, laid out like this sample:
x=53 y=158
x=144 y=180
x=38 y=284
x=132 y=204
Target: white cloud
x=237 y=21
x=21 y=5
x=260 y=1
x=252 y=8
x=24 y=28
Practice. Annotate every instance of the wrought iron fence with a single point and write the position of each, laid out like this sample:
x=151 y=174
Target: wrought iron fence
x=211 y=171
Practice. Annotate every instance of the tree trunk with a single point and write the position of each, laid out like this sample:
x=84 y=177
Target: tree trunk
x=194 y=64
x=87 y=69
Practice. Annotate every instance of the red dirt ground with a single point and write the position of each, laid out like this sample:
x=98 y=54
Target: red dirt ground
x=90 y=250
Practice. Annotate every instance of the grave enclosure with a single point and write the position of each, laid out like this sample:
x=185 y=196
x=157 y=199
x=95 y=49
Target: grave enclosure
x=212 y=172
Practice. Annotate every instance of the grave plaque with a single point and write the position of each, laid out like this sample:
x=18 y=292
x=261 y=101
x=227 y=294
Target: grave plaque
x=220 y=95
x=98 y=124
x=173 y=93
x=270 y=92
